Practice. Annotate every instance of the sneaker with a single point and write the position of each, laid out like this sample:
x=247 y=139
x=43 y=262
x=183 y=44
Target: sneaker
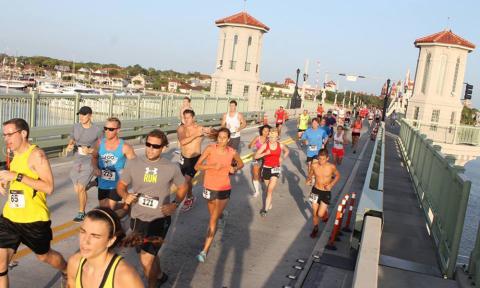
x=79 y=218
x=162 y=280
x=202 y=257
x=188 y=204
x=263 y=213
x=354 y=151
x=314 y=233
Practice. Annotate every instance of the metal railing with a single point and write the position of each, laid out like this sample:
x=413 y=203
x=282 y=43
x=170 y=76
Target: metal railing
x=441 y=189
x=449 y=134
x=371 y=198
x=474 y=262
x=53 y=139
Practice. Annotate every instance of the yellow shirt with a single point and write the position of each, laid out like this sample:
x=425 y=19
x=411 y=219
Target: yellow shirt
x=25 y=205
x=303 y=121
x=108 y=277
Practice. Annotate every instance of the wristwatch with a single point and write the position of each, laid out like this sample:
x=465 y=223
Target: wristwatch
x=19 y=177
x=176 y=203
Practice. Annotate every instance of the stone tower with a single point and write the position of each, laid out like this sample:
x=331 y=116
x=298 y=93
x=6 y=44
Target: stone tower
x=237 y=72
x=439 y=78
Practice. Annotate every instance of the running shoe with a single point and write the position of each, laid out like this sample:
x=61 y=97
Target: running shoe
x=162 y=280
x=263 y=213
x=202 y=257
x=188 y=204
x=79 y=218
x=314 y=232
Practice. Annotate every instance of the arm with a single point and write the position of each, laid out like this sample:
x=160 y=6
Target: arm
x=122 y=191
x=335 y=179
x=311 y=172
x=239 y=161
x=126 y=277
x=40 y=165
x=71 y=143
x=252 y=142
x=72 y=268
x=95 y=156
x=243 y=123
x=224 y=120
x=128 y=151
x=260 y=152
x=184 y=139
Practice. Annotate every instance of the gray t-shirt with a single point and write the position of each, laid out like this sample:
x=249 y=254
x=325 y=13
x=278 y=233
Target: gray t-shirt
x=153 y=181
x=85 y=137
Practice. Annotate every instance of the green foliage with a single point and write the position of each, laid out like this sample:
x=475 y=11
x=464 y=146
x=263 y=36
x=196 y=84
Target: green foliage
x=468 y=116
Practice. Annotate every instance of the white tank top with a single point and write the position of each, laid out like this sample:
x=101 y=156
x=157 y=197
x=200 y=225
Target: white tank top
x=233 y=124
x=338 y=141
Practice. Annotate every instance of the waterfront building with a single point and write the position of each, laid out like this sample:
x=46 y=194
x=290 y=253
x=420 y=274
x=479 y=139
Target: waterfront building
x=237 y=72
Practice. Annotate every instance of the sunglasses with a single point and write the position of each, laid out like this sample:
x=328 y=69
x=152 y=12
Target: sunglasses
x=109 y=129
x=154 y=146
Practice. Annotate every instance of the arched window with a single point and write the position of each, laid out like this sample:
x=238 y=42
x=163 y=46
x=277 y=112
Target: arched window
x=441 y=73
x=234 y=51
x=223 y=50
x=455 y=76
x=247 y=64
x=426 y=71
x=229 y=87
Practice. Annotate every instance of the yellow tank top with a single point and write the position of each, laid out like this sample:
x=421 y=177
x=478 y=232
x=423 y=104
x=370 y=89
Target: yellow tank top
x=108 y=277
x=24 y=204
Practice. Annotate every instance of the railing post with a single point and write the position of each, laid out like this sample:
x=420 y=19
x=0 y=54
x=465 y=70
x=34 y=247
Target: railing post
x=139 y=99
x=455 y=135
x=33 y=109
x=110 y=108
x=204 y=103
x=76 y=106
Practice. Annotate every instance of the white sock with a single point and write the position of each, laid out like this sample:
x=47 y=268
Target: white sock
x=256 y=186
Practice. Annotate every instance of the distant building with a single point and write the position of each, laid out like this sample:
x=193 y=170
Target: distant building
x=330 y=86
x=237 y=64
x=137 y=82
x=173 y=86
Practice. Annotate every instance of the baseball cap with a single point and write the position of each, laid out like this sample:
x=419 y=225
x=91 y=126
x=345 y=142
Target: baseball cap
x=85 y=110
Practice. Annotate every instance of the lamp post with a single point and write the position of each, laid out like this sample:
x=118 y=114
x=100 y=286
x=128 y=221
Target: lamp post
x=296 y=100
x=385 y=100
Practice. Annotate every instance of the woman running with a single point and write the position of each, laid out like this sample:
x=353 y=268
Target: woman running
x=339 y=140
x=356 y=129
x=95 y=265
x=216 y=161
x=271 y=152
x=256 y=143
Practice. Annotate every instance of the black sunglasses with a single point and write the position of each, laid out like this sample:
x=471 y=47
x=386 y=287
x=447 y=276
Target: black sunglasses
x=109 y=129
x=154 y=146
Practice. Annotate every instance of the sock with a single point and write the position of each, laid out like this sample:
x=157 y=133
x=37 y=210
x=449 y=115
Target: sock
x=256 y=186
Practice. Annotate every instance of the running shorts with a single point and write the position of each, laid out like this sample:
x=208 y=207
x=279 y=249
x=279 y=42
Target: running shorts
x=317 y=196
x=187 y=165
x=338 y=152
x=108 y=193
x=35 y=235
x=269 y=172
x=213 y=195
x=156 y=228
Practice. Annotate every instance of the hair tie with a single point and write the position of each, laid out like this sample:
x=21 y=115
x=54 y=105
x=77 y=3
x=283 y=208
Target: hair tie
x=109 y=217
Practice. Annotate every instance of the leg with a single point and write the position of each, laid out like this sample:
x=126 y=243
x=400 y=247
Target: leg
x=256 y=179
x=188 y=181
x=322 y=209
x=339 y=160
x=54 y=259
x=82 y=196
x=315 y=217
x=215 y=207
x=6 y=255
x=271 y=185
x=151 y=268
x=267 y=182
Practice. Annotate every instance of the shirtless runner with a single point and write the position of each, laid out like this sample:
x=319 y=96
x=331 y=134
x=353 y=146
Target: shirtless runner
x=190 y=136
x=326 y=176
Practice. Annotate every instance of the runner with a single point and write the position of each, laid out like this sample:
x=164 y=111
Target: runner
x=356 y=129
x=150 y=177
x=235 y=122
x=271 y=152
x=341 y=115
x=216 y=161
x=393 y=119
x=255 y=144
x=96 y=265
x=84 y=135
x=326 y=176
x=26 y=218
x=330 y=121
x=186 y=104
x=338 y=150
x=280 y=118
x=108 y=160
x=190 y=136
x=303 y=120
x=371 y=114
x=348 y=117
x=320 y=111
x=314 y=139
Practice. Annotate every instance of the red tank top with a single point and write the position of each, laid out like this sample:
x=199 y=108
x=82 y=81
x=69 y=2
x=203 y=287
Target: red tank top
x=357 y=126
x=280 y=116
x=272 y=159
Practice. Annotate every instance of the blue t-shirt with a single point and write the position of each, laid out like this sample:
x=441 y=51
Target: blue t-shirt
x=315 y=140
x=111 y=163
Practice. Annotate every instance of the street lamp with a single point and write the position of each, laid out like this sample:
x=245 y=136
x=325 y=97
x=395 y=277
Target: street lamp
x=385 y=100
x=296 y=100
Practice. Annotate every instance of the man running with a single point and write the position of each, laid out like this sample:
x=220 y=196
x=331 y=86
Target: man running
x=151 y=177
x=339 y=142
x=186 y=104
x=303 y=120
x=314 y=139
x=280 y=118
x=326 y=176
x=330 y=121
x=235 y=122
x=356 y=130
x=26 y=217
x=108 y=160
x=320 y=111
x=84 y=135
x=190 y=136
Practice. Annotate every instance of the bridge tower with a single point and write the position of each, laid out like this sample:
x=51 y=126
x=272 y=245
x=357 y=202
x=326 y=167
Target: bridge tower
x=439 y=78
x=237 y=72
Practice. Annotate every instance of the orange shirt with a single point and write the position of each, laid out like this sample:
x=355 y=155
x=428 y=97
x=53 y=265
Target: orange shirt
x=218 y=179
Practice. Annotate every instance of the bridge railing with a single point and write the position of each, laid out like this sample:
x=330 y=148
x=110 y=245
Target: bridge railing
x=449 y=134
x=371 y=198
x=53 y=139
x=442 y=191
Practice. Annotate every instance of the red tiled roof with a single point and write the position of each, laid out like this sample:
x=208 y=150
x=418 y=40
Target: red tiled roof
x=445 y=37
x=243 y=18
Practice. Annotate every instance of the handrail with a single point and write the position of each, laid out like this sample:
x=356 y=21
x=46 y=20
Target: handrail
x=450 y=134
x=441 y=190
x=54 y=138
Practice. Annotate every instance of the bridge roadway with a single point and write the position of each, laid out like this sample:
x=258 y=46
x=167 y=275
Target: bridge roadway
x=249 y=251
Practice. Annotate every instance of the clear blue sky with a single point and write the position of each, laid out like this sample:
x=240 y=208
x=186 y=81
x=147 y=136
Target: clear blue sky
x=358 y=37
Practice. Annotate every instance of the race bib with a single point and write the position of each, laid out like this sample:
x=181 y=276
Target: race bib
x=207 y=194
x=108 y=175
x=16 y=199
x=276 y=170
x=181 y=160
x=312 y=147
x=148 y=202
x=313 y=198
